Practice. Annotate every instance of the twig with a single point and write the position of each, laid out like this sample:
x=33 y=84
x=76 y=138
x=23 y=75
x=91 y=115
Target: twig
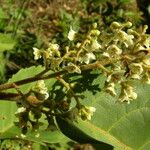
x=53 y=75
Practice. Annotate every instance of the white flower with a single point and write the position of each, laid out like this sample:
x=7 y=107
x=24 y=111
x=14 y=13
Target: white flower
x=37 y=53
x=42 y=89
x=114 y=50
x=71 y=34
x=136 y=70
x=86 y=112
x=105 y=54
x=90 y=111
x=127 y=94
x=87 y=58
x=52 y=50
x=95 y=45
x=111 y=89
x=20 y=110
x=125 y=38
x=53 y=47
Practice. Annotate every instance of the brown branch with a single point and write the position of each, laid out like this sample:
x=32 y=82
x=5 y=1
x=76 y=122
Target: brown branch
x=9 y=96
x=29 y=80
x=53 y=75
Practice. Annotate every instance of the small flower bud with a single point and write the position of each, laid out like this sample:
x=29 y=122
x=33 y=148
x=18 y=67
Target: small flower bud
x=115 y=25
x=95 y=25
x=145 y=29
x=128 y=24
x=72 y=68
x=95 y=32
x=86 y=112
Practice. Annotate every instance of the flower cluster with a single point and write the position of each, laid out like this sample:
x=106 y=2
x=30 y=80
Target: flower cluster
x=124 y=49
x=128 y=51
x=41 y=90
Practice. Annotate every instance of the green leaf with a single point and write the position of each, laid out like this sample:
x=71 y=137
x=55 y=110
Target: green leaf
x=125 y=1
x=78 y=135
x=23 y=74
x=6 y=42
x=8 y=109
x=37 y=146
x=125 y=126
x=27 y=73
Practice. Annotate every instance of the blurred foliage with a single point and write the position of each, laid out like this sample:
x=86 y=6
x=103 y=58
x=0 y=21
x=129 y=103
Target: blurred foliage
x=16 y=144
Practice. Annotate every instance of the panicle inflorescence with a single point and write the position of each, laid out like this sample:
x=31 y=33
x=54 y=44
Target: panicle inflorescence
x=125 y=50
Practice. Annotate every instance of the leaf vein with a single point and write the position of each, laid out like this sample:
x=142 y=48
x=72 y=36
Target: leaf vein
x=123 y=117
x=111 y=137
x=143 y=145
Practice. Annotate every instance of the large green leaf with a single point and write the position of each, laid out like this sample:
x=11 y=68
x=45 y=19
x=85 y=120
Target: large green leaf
x=125 y=126
x=76 y=134
x=8 y=109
